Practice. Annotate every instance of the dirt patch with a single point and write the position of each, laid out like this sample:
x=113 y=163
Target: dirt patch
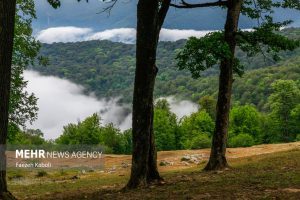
x=292 y=190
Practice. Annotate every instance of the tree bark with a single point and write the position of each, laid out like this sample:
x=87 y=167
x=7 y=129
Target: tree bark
x=217 y=160
x=7 y=19
x=150 y=16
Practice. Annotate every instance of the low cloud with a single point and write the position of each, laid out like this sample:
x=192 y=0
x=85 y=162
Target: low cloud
x=176 y=34
x=63 y=34
x=124 y=35
x=182 y=108
x=62 y=102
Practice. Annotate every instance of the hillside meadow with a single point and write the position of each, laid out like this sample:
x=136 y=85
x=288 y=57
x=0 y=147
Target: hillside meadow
x=258 y=172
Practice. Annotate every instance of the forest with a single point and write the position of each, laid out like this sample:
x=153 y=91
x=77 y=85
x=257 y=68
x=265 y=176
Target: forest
x=107 y=69
x=242 y=142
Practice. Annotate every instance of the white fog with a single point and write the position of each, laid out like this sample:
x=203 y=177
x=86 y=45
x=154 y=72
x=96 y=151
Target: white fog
x=62 y=102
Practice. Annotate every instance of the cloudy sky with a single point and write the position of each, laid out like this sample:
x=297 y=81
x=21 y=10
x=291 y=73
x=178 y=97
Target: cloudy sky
x=123 y=15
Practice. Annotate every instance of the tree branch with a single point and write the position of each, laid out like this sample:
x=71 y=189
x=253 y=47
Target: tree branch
x=108 y=8
x=184 y=4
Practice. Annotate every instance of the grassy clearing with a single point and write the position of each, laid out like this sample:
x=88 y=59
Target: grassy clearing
x=269 y=176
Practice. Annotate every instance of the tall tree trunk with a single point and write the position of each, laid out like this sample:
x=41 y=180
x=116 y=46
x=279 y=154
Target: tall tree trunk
x=217 y=158
x=7 y=19
x=150 y=17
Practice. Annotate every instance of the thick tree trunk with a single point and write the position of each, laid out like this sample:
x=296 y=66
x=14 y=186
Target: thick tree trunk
x=217 y=158
x=7 y=17
x=150 y=16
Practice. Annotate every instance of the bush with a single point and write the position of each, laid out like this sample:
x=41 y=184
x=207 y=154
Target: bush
x=41 y=173
x=241 y=140
x=298 y=137
x=200 y=142
x=15 y=175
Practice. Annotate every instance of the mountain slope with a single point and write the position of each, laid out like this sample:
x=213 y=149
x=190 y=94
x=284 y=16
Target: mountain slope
x=107 y=69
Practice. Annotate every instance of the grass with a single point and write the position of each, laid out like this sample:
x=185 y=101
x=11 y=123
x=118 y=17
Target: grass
x=269 y=176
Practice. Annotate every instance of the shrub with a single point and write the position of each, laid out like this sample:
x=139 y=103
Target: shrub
x=41 y=173
x=15 y=175
x=241 y=140
x=298 y=137
x=200 y=142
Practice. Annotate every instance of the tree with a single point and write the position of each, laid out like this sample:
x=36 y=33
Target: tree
x=194 y=126
x=220 y=47
x=22 y=105
x=127 y=138
x=245 y=120
x=295 y=117
x=91 y=132
x=285 y=97
x=208 y=103
x=165 y=126
x=29 y=137
x=150 y=17
x=7 y=20
x=86 y=132
x=112 y=137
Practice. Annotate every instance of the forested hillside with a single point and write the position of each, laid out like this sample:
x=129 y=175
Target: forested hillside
x=107 y=69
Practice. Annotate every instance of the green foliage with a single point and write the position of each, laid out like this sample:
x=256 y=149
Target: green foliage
x=266 y=38
x=245 y=120
x=107 y=69
x=127 y=139
x=268 y=135
x=200 y=54
x=27 y=137
x=57 y=3
x=13 y=131
x=41 y=173
x=295 y=119
x=90 y=132
x=285 y=97
x=298 y=137
x=197 y=124
x=208 y=103
x=85 y=132
x=54 y=3
x=22 y=104
x=201 y=141
x=241 y=140
x=112 y=138
x=162 y=104
x=165 y=126
x=254 y=87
